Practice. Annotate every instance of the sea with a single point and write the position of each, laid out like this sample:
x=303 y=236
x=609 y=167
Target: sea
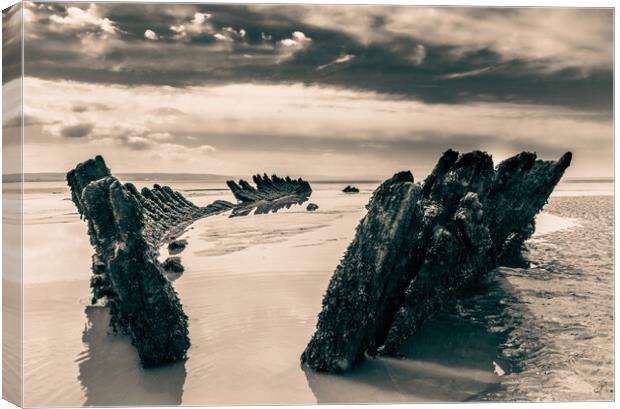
x=252 y=289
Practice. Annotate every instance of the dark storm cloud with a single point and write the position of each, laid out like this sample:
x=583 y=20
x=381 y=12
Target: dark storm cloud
x=231 y=44
x=28 y=120
x=77 y=131
x=81 y=107
x=11 y=42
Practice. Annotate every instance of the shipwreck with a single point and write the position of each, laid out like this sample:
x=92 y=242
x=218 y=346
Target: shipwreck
x=269 y=194
x=126 y=228
x=420 y=244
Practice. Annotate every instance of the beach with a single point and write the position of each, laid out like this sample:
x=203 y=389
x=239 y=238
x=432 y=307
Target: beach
x=485 y=133
x=252 y=289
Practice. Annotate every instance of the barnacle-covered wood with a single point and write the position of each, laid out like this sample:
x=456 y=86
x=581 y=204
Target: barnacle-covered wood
x=420 y=244
x=368 y=284
x=125 y=228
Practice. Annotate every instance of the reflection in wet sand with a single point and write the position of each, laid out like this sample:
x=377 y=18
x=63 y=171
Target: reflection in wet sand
x=266 y=207
x=453 y=358
x=110 y=371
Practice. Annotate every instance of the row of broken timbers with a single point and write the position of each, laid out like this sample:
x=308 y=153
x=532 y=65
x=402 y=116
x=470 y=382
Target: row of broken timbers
x=416 y=249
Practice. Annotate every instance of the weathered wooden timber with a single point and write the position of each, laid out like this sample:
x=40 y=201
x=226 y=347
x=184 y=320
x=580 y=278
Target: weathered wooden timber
x=269 y=194
x=420 y=244
x=127 y=227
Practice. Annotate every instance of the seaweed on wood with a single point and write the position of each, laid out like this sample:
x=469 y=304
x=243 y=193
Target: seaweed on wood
x=125 y=228
x=420 y=244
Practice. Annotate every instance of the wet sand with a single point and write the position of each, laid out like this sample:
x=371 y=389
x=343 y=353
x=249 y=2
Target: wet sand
x=252 y=289
x=563 y=309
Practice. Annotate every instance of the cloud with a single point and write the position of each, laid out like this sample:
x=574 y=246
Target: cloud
x=230 y=34
x=77 y=18
x=399 y=50
x=15 y=121
x=161 y=136
x=80 y=106
x=547 y=39
x=198 y=25
x=288 y=47
x=206 y=148
x=340 y=60
x=266 y=121
x=179 y=30
x=28 y=15
x=297 y=40
x=241 y=109
x=176 y=154
x=167 y=111
x=465 y=74
x=200 y=18
x=137 y=143
x=222 y=37
x=11 y=43
x=406 y=82
x=81 y=130
x=151 y=35
x=418 y=55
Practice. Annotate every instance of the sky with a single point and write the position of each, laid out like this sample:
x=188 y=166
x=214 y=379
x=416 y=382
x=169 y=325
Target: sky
x=336 y=91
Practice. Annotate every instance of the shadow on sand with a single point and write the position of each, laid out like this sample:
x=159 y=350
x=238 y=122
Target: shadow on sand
x=111 y=374
x=455 y=357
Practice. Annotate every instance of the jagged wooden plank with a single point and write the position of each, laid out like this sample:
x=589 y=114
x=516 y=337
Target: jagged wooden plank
x=463 y=221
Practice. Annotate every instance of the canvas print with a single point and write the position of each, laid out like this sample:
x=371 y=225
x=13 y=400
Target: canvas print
x=223 y=204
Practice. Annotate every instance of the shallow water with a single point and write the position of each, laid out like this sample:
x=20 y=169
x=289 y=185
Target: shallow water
x=253 y=288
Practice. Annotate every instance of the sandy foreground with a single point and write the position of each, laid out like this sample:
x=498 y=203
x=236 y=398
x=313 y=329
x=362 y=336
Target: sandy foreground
x=252 y=290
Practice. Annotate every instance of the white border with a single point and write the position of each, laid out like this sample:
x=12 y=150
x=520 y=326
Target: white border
x=481 y=3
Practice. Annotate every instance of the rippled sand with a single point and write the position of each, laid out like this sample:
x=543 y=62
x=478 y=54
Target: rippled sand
x=562 y=340
x=253 y=288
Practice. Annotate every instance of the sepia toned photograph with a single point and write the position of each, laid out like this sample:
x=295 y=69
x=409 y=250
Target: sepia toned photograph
x=283 y=204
